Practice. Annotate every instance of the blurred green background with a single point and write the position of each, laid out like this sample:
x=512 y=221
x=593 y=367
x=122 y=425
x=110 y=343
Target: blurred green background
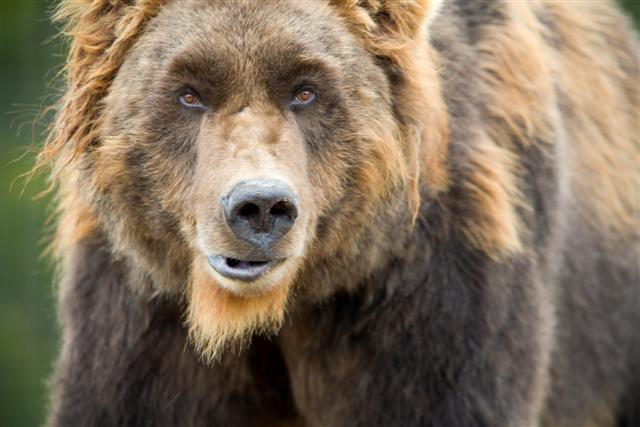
x=30 y=57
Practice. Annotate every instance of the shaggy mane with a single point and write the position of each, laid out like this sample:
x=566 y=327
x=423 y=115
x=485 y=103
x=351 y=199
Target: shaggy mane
x=101 y=33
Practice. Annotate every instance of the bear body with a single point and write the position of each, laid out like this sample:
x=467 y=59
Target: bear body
x=464 y=250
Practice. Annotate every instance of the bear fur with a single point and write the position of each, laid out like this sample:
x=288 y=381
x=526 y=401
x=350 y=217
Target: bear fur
x=466 y=250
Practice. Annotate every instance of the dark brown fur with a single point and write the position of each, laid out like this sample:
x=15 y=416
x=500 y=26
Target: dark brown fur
x=467 y=245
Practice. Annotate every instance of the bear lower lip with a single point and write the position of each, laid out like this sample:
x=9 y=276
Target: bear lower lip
x=237 y=269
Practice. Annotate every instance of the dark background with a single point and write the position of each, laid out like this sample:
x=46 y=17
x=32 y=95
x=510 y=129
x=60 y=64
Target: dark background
x=29 y=337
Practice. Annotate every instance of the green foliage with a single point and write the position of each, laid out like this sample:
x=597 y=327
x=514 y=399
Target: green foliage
x=633 y=6
x=28 y=328
x=28 y=331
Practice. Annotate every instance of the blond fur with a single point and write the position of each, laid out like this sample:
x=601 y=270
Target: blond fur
x=101 y=33
x=217 y=318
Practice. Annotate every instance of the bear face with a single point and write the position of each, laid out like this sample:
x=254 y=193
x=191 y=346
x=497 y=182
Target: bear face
x=242 y=144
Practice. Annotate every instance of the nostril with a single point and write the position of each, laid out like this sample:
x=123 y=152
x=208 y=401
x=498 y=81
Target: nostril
x=283 y=209
x=249 y=210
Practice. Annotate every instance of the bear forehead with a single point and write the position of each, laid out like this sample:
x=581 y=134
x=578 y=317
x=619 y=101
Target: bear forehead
x=249 y=31
x=229 y=50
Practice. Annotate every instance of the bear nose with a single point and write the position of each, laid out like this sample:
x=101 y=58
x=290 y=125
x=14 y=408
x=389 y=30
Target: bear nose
x=260 y=211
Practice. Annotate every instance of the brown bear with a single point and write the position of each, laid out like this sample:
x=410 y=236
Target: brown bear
x=348 y=213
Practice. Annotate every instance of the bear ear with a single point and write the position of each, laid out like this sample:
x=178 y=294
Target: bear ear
x=406 y=19
x=391 y=21
x=100 y=33
x=397 y=30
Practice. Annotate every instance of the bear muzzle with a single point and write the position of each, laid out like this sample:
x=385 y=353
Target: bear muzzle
x=259 y=212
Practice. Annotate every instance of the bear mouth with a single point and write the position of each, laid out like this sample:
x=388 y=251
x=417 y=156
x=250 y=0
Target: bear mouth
x=238 y=269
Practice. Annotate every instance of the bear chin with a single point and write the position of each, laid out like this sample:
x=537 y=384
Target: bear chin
x=219 y=316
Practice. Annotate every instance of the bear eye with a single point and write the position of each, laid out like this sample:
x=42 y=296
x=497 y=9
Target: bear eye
x=304 y=96
x=190 y=99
